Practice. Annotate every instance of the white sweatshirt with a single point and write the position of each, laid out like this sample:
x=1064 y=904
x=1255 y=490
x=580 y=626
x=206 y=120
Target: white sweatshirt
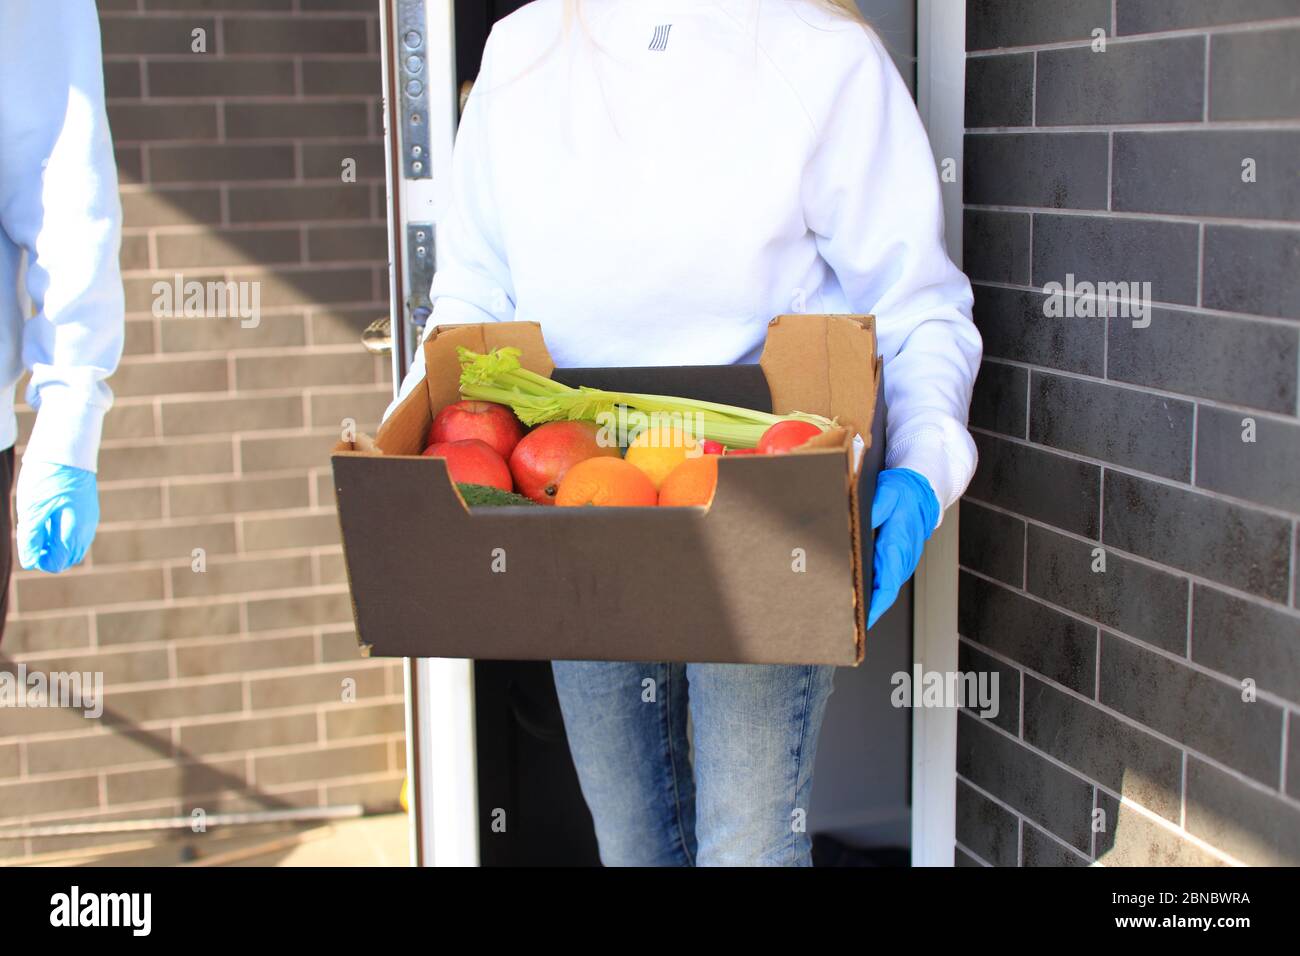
x=656 y=186
x=58 y=203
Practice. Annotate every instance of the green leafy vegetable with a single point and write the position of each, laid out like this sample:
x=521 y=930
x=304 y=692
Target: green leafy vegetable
x=497 y=376
x=482 y=496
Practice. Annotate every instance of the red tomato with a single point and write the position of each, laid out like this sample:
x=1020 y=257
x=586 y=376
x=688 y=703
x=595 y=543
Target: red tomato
x=783 y=436
x=711 y=447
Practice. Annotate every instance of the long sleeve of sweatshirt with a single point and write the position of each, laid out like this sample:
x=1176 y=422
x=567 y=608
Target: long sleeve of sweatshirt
x=871 y=198
x=655 y=183
x=59 y=205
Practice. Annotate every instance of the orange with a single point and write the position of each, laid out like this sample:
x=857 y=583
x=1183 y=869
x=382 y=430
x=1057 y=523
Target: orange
x=659 y=449
x=690 y=483
x=605 y=481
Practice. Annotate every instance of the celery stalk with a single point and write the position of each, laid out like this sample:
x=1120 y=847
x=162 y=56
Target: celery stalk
x=498 y=377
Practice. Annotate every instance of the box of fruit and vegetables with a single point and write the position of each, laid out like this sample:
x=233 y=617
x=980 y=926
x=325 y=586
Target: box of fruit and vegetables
x=508 y=509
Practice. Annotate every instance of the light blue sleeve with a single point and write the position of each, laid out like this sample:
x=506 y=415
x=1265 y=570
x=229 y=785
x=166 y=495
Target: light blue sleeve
x=58 y=201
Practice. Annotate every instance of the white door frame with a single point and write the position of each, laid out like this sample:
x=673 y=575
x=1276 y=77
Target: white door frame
x=440 y=751
x=440 y=745
x=940 y=95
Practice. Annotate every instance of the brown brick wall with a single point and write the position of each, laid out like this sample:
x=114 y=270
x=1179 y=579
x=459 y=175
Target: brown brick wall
x=223 y=689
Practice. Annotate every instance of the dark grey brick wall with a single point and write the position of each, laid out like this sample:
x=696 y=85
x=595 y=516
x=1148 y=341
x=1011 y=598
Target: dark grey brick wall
x=1129 y=544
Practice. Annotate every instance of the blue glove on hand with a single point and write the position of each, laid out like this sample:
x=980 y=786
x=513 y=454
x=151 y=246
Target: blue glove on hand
x=904 y=513
x=58 y=511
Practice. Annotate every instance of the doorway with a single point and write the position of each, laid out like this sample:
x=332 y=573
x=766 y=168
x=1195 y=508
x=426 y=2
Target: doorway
x=486 y=737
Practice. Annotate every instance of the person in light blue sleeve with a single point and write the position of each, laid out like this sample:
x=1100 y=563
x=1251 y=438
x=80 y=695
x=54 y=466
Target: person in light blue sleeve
x=60 y=228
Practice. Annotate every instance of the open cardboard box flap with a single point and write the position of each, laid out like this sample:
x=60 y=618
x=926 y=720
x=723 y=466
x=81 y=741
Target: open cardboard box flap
x=771 y=572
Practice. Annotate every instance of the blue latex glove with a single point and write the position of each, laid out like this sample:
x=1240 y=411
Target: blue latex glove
x=904 y=514
x=58 y=511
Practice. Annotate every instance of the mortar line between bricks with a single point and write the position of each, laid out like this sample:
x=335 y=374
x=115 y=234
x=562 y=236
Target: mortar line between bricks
x=1019 y=815
x=1030 y=374
x=1125 y=215
x=1167 y=569
x=1096 y=665
x=1272 y=511
x=1105 y=344
x=1182 y=788
x=1190 y=616
x=333 y=590
x=1149 y=814
x=1154 y=391
x=1268 y=697
x=252 y=351
x=1295 y=548
x=1020 y=841
x=1285 y=740
x=1114 y=18
x=1205 y=92
x=1031 y=244
x=1110 y=171
x=325 y=139
x=995 y=799
x=237 y=99
x=269 y=352
x=1200 y=266
x=1063 y=129
x=184 y=722
x=198 y=229
x=1033 y=93
x=1056 y=839
x=266 y=184
x=1127 y=39
x=320 y=745
x=1092 y=828
x=1024 y=570
x=271 y=790
x=1020 y=717
x=974 y=856
x=1196 y=430
x=173 y=58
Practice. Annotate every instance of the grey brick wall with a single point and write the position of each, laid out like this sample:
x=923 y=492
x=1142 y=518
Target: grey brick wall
x=223 y=689
x=1124 y=736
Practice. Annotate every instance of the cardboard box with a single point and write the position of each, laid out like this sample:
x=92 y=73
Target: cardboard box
x=771 y=572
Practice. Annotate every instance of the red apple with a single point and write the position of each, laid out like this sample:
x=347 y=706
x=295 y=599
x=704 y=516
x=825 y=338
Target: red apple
x=542 y=456
x=473 y=461
x=486 y=421
x=783 y=436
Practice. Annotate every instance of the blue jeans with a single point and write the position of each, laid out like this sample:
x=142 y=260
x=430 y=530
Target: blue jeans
x=755 y=737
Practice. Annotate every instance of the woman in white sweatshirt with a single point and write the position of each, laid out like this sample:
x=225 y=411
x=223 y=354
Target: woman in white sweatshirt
x=652 y=180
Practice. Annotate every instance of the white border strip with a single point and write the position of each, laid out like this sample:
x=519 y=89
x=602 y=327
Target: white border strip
x=941 y=95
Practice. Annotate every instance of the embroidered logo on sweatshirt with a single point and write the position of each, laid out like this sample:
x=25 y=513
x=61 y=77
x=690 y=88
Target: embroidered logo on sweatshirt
x=660 y=40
